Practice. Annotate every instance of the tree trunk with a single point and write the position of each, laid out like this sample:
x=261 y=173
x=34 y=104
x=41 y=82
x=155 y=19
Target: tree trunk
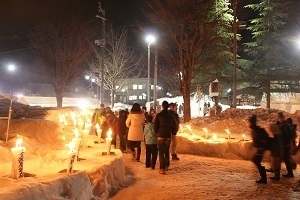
x=112 y=98
x=59 y=98
x=186 y=102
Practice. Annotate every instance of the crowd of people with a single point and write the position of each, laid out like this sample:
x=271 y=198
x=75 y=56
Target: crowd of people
x=281 y=142
x=156 y=130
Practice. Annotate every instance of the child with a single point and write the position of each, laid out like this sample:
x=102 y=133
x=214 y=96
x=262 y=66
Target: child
x=151 y=143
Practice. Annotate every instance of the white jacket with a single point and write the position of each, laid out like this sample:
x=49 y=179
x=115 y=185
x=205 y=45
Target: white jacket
x=135 y=124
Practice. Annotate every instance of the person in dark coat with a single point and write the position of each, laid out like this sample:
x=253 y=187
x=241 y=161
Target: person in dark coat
x=276 y=151
x=172 y=109
x=123 y=130
x=164 y=126
x=287 y=138
x=294 y=149
x=260 y=142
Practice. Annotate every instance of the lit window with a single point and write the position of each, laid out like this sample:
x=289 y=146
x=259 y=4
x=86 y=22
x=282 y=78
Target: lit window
x=134 y=87
x=140 y=97
x=117 y=87
x=132 y=98
x=144 y=97
x=140 y=87
x=77 y=90
x=152 y=87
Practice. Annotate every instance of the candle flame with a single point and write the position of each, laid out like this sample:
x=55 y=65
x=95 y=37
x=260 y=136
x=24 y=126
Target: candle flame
x=227 y=131
x=71 y=146
x=214 y=136
x=19 y=141
x=109 y=133
x=76 y=133
x=244 y=136
x=205 y=130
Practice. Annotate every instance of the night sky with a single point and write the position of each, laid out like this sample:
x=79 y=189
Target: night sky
x=18 y=17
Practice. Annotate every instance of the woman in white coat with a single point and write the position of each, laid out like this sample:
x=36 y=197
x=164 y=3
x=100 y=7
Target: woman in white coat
x=135 y=122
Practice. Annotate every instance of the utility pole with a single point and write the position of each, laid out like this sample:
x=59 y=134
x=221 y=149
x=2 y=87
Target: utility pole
x=235 y=27
x=155 y=78
x=102 y=43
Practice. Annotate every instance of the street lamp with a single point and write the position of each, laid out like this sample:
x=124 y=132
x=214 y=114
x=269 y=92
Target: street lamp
x=11 y=68
x=149 y=39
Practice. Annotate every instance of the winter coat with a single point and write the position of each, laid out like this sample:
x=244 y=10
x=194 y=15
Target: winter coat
x=165 y=124
x=176 y=118
x=286 y=133
x=260 y=137
x=276 y=144
x=122 y=123
x=150 y=137
x=113 y=123
x=99 y=117
x=135 y=122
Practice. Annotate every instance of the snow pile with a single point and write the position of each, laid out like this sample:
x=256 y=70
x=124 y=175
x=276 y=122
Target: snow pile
x=45 y=163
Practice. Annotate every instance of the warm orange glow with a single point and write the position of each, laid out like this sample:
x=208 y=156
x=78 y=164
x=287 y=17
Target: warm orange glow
x=71 y=146
x=244 y=136
x=19 y=141
x=189 y=128
x=214 y=136
x=76 y=133
x=109 y=133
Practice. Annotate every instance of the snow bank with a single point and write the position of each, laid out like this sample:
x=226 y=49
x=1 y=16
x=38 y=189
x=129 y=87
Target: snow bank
x=195 y=145
x=96 y=178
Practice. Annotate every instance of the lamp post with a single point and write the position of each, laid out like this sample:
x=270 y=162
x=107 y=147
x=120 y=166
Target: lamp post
x=11 y=68
x=149 y=39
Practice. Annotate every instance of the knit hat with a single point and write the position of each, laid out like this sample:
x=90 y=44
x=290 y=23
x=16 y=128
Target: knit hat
x=253 y=119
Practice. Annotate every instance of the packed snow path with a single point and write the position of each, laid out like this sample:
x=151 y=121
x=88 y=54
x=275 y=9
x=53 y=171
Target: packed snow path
x=196 y=177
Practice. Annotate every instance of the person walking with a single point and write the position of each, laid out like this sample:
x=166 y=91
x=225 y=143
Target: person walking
x=172 y=109
x=261 y=142
x=123 y=130
x=151 y=143
x=135 y=122
x=287 y=138
x=276 y=151
x=164 y=126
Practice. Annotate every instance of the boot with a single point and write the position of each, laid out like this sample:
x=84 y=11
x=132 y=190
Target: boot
x=133 y=155
x=263 y=176
x=174 y=157
x=276 y=177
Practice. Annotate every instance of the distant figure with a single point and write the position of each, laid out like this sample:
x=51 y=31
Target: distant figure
x=261 y=143
x=205 y=109
x=153 y=114
x=99 y=117
x=294 y=148
x=164 y=126
x=123 y=130
x=113 y=124
x=172 y=109
x=180 y=108
x=151 y=143
x=135 y=122
x=286 y=143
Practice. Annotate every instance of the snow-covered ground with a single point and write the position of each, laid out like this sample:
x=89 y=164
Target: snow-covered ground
x=223 y=174
x=196 y=177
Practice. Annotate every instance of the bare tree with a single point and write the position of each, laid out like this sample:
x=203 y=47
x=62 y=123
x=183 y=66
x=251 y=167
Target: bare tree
x=120 y=61
x=187 y=30
x=64 y=46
